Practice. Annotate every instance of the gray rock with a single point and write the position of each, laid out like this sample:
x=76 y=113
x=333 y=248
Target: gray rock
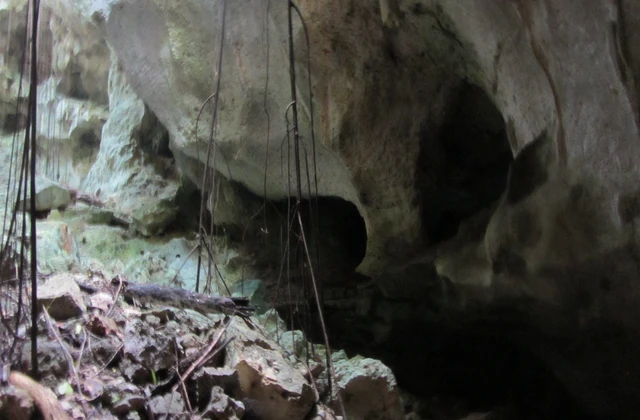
x=49 y=196
x=221 y=406
x=276 y=389
x=139 y=194
x=62 y=297
x=171 y=404
x=58 y=251
x=150 y=347
x=368 y=389
x=274 y=327
x=294 y=342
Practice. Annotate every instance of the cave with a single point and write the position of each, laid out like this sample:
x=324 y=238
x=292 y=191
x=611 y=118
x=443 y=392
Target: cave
x=416 y=108
x=83 y=148
x=335 y=232
x=86 y=143
x=470 y=158
x=341 y=232
x=153 y=137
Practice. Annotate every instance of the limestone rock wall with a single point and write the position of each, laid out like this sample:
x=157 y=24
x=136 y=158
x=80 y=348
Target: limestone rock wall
x=94 y=134
x=385 y=78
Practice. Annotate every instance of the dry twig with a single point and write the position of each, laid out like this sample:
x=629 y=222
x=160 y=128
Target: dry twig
x=72 y=367
x=115 y=298
x=203 y=358
x=183 y=388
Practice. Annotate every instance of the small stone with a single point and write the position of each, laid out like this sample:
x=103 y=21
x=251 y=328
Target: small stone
x=135 y=372
x=93 y=388
x=128 y=403
x=123 y=397
x=62 y=297
x=171 y=404
x=322 y=412
x=190 y=340
x=221 y=406
x=152 y=320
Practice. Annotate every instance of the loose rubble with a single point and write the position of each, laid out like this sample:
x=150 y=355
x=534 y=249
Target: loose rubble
x=126 y=359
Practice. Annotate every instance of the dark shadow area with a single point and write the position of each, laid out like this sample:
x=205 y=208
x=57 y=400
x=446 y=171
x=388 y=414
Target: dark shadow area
x=465 y=169
x=72 y=85
x=153 y=136
x=460 y=367
x=340 y=233
x=188 y=201
x=85 y=143
x=12 y=122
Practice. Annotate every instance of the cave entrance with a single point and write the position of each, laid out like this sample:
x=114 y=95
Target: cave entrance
x=469 y=160
x=337 y=240
x=340 y=232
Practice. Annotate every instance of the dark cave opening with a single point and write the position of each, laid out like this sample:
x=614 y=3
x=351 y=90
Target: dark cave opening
x=334 y=229
x=341 y=231
x=470 y=161
x=86 y=143
x=452 y=364
x=480 y=368
x=154 y=137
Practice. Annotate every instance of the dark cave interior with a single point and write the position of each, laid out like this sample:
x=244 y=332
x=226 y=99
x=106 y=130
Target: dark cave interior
x=461 y=365
x=470 y=159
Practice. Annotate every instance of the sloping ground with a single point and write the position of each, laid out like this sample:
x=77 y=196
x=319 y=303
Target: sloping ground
x=106 y=359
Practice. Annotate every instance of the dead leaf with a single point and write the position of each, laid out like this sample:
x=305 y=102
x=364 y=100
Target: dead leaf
x=103 y=326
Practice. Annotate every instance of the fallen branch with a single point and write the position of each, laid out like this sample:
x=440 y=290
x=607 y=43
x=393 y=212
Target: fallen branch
x=45 y=399
x=184 y=299
x=91 y=200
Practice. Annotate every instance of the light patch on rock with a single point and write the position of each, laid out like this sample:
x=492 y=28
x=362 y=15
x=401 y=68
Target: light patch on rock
x=277 y=390
x=368 y=389
x=61 y=296
x=49 y=196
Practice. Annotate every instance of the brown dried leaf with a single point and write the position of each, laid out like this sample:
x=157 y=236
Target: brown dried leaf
x=103 y=326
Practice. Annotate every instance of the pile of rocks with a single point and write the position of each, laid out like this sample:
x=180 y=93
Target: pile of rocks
x=133 y=363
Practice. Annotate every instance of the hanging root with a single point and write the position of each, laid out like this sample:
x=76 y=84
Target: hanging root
x=305 y=256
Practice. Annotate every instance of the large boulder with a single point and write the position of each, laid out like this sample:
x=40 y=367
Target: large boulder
x=49 y=196
x=368 y=389
x=277 y=390
x=140 y=185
